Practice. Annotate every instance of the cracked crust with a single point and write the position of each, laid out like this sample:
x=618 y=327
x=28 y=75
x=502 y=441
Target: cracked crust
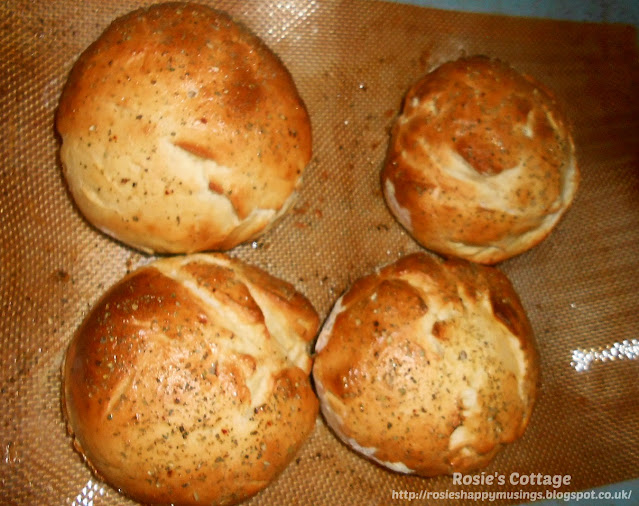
x=182 y=131
x=428 y=366
x=481 y=162
x=189 y=381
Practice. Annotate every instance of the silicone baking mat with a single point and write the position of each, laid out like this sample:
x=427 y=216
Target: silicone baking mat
x=352 y=61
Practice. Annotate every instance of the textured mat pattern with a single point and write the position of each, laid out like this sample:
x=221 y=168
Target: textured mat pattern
x=352 y=61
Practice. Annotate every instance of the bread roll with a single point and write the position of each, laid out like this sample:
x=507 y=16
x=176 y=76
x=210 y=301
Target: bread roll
x=428 y=366
x=188 y=383
x=481 y=162
x=181 y=131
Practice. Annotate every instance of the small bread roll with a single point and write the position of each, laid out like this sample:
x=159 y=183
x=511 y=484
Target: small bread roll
x=481 y=162
x=427 y=366
x=182 y=131
x=188 y=383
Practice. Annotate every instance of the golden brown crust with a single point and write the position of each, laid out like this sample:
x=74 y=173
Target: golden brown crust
x=189 y=381
x=181 y=131
x=481 y=163
x=428 y=366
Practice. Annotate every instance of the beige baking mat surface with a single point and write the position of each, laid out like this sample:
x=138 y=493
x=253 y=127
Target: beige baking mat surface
x=352 y=62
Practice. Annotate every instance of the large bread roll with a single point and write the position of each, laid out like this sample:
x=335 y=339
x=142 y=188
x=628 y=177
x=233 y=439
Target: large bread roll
x=428 y=366
x=481 y=162
x=181 y=131
x=188 y=383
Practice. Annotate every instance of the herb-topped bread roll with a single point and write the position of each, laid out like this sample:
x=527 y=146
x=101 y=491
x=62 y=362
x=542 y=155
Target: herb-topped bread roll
x=428 y=366
x=182 y=131
x=481 y=162
x=188 y=382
